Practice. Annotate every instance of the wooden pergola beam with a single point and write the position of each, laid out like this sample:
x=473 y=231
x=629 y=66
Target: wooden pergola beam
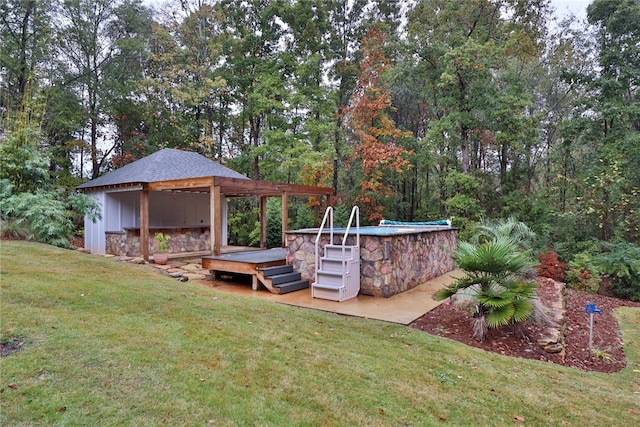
x=235 y=187
x=182 y=184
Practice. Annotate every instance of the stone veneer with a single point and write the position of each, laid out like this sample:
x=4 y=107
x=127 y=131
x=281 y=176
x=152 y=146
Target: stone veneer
x=183 y=239
x=389 y=264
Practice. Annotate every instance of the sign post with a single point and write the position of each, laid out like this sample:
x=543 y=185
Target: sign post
x=591 y=309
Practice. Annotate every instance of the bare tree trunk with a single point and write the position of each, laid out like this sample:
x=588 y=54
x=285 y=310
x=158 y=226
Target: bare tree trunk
x=254 y=136
x=465 y=150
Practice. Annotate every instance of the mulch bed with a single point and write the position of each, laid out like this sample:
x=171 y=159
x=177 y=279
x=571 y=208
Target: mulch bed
x=448 y=320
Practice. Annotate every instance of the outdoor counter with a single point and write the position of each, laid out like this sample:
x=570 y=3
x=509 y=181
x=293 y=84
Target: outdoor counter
x=184 y=238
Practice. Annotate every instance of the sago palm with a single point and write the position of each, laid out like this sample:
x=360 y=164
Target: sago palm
x=494 y=278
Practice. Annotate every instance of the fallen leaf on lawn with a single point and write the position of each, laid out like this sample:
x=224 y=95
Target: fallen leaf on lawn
x=518 y=418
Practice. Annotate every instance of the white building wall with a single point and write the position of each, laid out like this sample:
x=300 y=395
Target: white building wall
x=130 y=209
x=94 y=239
x=180 y=208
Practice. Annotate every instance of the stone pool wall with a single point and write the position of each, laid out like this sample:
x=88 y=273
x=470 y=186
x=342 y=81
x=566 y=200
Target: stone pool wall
x=127 y=243
x=389 y=264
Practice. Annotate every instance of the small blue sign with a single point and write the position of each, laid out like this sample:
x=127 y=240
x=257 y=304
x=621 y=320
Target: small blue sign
x=590 y=308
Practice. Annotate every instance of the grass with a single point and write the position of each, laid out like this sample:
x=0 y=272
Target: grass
x=107 y=343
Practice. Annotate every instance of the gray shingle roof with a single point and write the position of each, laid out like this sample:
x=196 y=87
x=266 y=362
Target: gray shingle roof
x=164 y=165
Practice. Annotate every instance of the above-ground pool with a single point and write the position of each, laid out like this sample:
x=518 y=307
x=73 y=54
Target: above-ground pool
x=393 y=258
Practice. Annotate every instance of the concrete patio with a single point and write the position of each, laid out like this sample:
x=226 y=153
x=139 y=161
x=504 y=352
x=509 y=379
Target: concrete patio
x=402 y=308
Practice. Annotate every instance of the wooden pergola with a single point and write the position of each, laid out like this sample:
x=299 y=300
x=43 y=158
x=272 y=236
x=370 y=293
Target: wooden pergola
x=219 y=187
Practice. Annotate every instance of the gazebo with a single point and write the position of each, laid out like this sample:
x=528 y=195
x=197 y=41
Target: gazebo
x=181 y=193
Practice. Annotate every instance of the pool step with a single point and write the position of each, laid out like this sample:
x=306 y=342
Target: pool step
x=338 y=275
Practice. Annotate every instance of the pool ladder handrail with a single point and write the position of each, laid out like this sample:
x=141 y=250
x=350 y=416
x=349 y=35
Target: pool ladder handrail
x=328 y=215
x=355 y=211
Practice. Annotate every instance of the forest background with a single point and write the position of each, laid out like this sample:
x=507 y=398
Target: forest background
x=414 y=110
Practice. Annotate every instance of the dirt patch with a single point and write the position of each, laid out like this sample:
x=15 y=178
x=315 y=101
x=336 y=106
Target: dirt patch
x=452 y=322
x=12 y=345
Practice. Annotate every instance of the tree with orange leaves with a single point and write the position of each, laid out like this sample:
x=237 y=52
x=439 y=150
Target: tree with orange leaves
x=376 y=148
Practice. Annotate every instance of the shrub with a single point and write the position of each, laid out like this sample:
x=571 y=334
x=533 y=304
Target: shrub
x=610 y=267
x=583 y=273
x=620 y=261
x=48 y=215
x=13 y=229
x=550 y=266
x=583 y=280
x=29 y=204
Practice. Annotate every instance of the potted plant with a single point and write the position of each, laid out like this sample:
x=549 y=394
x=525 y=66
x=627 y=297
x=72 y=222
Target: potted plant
x=161 y=257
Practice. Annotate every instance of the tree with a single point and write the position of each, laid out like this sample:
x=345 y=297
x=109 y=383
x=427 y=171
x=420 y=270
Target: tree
x=376 y=137
x=472 y=63
x=307 y=150
x=187 y=98
x=25 y=33
x=615 y=174
x=255 y=74
x=100 y=57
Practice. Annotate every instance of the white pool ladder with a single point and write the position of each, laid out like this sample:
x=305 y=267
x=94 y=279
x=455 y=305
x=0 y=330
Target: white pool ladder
x=337 y=271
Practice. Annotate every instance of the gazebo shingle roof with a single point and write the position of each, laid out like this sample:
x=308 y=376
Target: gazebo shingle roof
x=164 y=165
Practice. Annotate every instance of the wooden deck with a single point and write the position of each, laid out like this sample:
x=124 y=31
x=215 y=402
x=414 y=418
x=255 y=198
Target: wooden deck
x=245 y=262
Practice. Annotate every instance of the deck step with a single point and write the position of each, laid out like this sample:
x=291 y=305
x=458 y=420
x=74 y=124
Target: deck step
x=292 y=286
x=279 y=279
x=274 y=271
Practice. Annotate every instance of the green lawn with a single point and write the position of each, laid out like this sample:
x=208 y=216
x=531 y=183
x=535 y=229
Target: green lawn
x=107 y=343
